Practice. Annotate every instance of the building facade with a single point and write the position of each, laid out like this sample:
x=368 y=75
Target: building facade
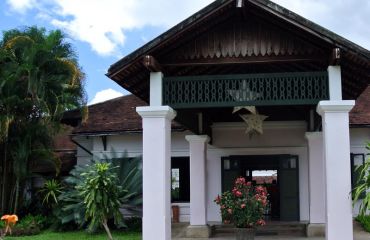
x=270 y=62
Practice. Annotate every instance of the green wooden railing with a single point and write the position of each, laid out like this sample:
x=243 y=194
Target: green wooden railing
x=296 y=88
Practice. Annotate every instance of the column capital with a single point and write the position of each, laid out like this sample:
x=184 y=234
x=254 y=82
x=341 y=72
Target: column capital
x=197 y=138
x=340 y=106
x=156 y=112
x=313 y=135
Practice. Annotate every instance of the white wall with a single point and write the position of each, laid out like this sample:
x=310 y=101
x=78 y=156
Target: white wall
x=278 y=138
x=359 y=138
x=228 y=139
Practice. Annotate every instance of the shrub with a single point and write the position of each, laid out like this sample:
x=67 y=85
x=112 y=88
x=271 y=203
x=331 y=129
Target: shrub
x=28 y=225
x=365 y=221
x=134 y=224
x=244 y=206
x=101 y=196
x=70 y=210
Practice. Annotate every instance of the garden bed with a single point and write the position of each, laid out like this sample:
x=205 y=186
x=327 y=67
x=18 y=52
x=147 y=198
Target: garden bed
x=77 y=235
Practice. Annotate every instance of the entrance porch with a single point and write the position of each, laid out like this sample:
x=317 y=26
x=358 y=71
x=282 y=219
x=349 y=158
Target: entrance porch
x=179 y=233
x=250 y=54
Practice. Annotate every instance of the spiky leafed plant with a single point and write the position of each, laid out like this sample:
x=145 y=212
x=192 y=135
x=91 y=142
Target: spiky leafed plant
x=129 y=171
x=39 y=80
x=363 y=186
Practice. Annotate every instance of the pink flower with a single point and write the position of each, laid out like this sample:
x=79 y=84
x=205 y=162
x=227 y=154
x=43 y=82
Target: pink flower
x=230 y=211
x=243 y=205
x=261 y=222
x=238 y=194
x=218 y=199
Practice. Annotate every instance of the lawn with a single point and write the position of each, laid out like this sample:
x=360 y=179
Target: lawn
x=79 y=235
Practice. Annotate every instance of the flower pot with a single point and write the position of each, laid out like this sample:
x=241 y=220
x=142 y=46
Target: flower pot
x=175 y=213
x=245 y=233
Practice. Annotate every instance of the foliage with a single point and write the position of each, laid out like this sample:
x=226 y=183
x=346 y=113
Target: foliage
x=134 y=224
x=80 y=235
x=101 y=194
x=70 y=208
x=39 y=80
x=28 y=225
x=365 y=221
x=50 y=192
x=244 y=205
x=362 y=186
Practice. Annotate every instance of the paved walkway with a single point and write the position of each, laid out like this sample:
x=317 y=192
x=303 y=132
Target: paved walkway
x=178 y=232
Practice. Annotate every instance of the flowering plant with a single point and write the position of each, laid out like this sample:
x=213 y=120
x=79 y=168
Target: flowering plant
x=10 y=221
x=244 y=205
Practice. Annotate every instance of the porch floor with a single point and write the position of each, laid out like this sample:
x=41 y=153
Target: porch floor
x=178 y=233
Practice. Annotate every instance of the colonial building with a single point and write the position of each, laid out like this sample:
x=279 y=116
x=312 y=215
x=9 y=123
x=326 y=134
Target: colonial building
x=295 y=82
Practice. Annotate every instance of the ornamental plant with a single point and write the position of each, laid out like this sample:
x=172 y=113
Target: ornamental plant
x=10 y=221
x=244 y=206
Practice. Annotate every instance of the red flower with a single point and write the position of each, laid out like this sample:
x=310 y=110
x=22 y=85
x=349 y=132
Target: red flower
x=218 y=199
x=261 y=222
x=243 y=205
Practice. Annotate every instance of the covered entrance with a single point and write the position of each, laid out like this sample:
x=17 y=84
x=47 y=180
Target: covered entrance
x=280 y=175
x=236 y=54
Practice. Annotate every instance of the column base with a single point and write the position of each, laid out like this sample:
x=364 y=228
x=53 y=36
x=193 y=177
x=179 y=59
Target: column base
x=315 y=230
x=199 y=231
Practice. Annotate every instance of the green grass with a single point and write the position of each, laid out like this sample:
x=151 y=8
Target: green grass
x=78 y=235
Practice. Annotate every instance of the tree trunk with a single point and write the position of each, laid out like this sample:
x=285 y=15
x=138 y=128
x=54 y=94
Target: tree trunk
x=16 y=196
x=4 y=185
x=105 y=225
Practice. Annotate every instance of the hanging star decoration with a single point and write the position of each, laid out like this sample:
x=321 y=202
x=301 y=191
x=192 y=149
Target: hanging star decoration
x=254 y=121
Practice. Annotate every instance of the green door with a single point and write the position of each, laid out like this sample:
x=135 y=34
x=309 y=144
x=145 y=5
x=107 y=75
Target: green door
x=289 y=185
x=230 y=171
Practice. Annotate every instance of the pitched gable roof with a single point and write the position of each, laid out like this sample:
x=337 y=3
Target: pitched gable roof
x=130 y=73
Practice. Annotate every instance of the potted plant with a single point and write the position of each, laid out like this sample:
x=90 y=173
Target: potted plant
x=244 y=207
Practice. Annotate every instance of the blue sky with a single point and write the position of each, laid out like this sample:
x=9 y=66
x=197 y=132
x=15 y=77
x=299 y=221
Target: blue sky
x=104 y=31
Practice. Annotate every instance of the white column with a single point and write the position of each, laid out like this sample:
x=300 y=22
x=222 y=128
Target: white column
x=156 y=81
x=335 y=82
x=316 y=177
x=198 y=190
x=335 y=123
x=156 y=171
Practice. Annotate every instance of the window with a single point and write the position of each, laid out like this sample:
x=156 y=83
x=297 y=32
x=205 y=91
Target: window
x=180 y=179
x=357 y=160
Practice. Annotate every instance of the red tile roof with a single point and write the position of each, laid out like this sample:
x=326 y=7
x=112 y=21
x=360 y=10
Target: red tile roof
x=360 y=114
x=119 y=115
x=114 y=116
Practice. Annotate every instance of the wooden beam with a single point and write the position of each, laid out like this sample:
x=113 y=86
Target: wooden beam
x=151 y=64
x=335 y=57
x=246 y=60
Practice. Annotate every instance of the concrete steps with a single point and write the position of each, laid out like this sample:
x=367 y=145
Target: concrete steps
x=270 y=229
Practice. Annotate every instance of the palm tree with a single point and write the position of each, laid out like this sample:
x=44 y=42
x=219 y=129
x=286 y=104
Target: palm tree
x=39 y=80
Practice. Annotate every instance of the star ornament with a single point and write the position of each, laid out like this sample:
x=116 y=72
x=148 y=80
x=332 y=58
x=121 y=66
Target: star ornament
x=251 y=109
x=254 y=122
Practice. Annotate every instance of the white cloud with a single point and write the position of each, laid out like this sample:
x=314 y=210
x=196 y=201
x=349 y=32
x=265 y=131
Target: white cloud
x=105 y=95
x=21 y=5
x=104 y=24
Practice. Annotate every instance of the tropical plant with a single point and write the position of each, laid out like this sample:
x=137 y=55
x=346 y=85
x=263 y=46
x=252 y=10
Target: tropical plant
x=244 y=206
x=39 y=80
x=362 y=185
x=101 y=196
x=70 y=208
x=50 y=192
